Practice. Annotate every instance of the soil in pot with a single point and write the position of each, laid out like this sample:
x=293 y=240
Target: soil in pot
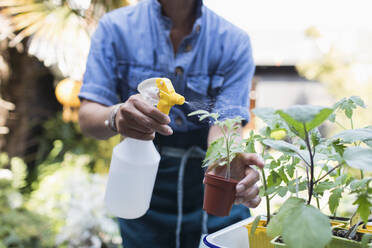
x=259 y=239
x=219 y=195
x=338 y=240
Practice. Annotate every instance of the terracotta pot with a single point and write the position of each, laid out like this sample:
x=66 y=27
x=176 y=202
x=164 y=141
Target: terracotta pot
x=219 y=195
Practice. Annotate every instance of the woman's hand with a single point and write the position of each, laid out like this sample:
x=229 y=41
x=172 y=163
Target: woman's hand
x=140 y=120
x=242 y=170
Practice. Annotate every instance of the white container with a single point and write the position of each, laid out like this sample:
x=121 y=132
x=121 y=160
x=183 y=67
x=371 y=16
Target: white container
x=132 y=174
x=233 y=236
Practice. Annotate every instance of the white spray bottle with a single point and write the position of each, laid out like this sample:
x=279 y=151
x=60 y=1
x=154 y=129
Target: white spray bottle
x=134 y=163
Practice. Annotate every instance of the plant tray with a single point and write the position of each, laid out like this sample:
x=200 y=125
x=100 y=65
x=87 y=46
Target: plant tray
x=232 y=236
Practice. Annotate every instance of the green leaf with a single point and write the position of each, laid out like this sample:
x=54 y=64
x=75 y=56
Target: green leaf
x=332 y=117
x=364 y=206
x=282 y=174
x=266 y=114
x=306 y=227
x=339 y=148
x=315 y=137
x=358 y=101
x=305 y=113
x=282 y=191
x=295 y=126
x=334 y=200
x=203 y=117
x=198 y=112
x=348 y=112
x=319 y=118
x=273 y=179
x=292 y=186
x=298 y=115
x=271 y=118
x=323 y=186
x=274 y=164
x=348 y=104
x=275 y=227
x=350 y=136
x=271 y=190
x=255 y=224
x=358 y=184
x=366 y=240
x=359 y=157
x=250 y=146
x=292 y=166
x=281 y=145
x=214 y=152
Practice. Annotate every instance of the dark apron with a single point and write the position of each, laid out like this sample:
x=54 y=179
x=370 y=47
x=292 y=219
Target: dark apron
x=175 y=218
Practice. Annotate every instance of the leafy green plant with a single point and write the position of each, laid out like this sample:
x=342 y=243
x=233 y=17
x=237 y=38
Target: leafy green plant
x=333 y=156
x=223 y=150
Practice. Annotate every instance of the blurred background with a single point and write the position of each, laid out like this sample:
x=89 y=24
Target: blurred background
x=52 y=178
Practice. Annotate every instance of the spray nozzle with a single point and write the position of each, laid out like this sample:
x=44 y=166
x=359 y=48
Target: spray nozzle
x=167 y=95
x=160 y=91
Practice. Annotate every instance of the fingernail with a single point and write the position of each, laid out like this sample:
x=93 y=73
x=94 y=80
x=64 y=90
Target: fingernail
x=169 y=130
x=239 y=188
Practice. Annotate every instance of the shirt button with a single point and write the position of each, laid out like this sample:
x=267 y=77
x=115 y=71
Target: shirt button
x=179 y=70
x=188 y=48
x=197 y=28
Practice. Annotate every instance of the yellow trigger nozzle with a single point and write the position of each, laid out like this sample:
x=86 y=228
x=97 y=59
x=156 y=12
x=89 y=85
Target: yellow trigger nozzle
x=167 y=95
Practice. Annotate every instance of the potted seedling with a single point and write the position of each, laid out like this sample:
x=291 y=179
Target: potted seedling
x=219 y=191
x=298 y=223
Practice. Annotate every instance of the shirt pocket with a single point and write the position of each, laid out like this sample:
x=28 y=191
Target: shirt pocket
x=133 y=75
x=203 y=87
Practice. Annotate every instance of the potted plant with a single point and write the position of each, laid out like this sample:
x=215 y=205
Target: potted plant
x=219 y=192
x=298 y=222
x=280 y=172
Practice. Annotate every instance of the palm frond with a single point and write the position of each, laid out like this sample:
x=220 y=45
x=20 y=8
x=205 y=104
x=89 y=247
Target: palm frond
x=58 y=32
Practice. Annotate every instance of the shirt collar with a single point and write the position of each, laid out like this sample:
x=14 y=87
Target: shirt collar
x=156 y=6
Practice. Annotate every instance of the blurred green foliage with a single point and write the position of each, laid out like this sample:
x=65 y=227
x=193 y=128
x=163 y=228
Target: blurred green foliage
x=59 y=138
x=19 y=227
x=72 y=197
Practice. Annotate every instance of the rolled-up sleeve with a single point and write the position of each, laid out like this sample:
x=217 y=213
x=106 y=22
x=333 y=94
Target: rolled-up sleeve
x=100 y=78
x=233 y=98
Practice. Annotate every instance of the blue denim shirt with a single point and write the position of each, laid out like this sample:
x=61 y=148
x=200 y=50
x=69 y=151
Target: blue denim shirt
x=213 y=67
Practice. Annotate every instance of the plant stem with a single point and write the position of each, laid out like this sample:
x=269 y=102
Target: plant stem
x=266 y=195
x=227 y=174
x=270 y=198
x=311 y=182
x=339 y=124
x=361 y=174
x=351 y=123
x=317 y=202
x=307 y=177
x=329 y=172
